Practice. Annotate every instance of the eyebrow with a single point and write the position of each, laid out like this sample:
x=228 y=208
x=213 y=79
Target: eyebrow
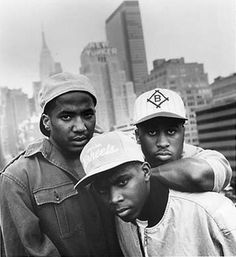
x=66 y=112
x=120 y=176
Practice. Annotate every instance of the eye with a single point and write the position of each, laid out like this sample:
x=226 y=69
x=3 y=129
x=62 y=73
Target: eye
x=152 y=133
x=101 y=189
x=88 y=115
x=172 y=131
x=66 y=117
x=122 y=182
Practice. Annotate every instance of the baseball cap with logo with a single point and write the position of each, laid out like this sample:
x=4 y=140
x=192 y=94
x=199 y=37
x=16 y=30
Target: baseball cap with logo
x=59 y=84
x=107 y=151
x=158 y=102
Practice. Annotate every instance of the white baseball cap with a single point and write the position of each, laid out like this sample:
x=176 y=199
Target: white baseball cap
x=158 y=102
x=107 y=151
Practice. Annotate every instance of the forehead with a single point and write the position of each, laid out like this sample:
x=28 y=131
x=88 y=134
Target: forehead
x=74 y=99
x=161 y=122
x=114 y=174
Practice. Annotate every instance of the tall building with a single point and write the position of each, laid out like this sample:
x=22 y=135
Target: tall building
x=15 y=109
x=189 y=80
x=115 y=96
x=124 y=32
x=46 y=66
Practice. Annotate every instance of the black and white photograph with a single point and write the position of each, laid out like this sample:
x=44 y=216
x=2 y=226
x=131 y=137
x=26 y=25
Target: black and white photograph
x=117 y=128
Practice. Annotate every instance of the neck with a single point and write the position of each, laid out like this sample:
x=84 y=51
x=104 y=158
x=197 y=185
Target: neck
x=155 y=205
x=69 y=156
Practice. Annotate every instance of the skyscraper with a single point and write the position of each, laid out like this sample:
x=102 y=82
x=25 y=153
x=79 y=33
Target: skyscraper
x=115 y=97
x=14 y=110
x=124 y=32
x=46 y=66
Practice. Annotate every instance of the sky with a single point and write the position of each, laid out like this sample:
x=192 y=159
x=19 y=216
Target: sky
x=202 y=31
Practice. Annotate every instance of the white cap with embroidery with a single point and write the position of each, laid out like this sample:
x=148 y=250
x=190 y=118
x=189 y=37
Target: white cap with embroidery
x=107 y=151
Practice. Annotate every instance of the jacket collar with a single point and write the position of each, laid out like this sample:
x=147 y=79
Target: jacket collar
x=53 y=155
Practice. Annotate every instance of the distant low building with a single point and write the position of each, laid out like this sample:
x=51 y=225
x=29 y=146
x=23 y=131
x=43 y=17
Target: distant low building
x=224 y=89
x=127 y=129
x=217 y=122
x=28 y=131
x=217 y=130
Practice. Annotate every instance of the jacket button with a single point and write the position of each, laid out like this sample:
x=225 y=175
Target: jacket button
x=56 y=196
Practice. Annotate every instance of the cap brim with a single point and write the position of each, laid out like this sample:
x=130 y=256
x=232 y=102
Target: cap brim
x=89 y=178
x=160 y=114
x=42 y=128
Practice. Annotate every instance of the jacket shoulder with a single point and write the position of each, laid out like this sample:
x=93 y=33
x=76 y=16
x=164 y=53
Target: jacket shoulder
x=20 y=161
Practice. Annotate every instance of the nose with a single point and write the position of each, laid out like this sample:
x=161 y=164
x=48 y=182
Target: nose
x=78 y=125
x=115 y=196
x=162 y=140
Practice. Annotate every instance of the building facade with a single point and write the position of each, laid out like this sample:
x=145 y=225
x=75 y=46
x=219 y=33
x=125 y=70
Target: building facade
x=224 y=89
x=115 y=96
x=217 y=130
x=14 y=110
x=124 y=32
x=217 y=122
x=187 y=79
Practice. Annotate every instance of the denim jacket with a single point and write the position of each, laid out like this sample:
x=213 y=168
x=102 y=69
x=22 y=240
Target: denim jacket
x=43 y=215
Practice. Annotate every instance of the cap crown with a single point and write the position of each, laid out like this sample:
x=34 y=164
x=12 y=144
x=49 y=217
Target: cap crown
x=158 y=102
x=62 y=83
x=106 y=151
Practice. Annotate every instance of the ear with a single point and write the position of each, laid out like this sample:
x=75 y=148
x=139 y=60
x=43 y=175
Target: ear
x=137 y=136
x=146 y=170
x=46 y=122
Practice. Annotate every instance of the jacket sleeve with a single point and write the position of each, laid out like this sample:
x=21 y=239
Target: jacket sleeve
x=217 y=161
x=21 y=233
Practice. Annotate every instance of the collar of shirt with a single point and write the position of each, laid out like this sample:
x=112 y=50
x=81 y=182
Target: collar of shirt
x=54 y=156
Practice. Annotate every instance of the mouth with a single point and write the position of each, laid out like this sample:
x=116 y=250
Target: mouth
x=79 y=140
x=163 y=155
x=122 y=212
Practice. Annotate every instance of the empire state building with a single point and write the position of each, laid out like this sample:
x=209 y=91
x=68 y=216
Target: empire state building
x=46 y=66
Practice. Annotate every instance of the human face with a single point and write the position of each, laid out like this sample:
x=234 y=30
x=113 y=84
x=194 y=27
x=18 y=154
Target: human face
x=71 y=122
x=161 y=139
x=125 y=190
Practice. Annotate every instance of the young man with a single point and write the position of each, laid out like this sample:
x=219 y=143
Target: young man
x=159 y=116
x=41 y=212
x=154 y=220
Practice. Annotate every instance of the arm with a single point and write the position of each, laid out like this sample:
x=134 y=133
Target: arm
x=19 y=224
x=199 y=170
x=189 y=174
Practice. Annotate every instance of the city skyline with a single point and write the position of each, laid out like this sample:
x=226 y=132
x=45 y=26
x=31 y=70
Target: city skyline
x=203 y=31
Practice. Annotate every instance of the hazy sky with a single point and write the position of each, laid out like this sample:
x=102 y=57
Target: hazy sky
x=202 y=31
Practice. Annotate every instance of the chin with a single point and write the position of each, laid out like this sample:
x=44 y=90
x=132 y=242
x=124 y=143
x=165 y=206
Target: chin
x=75 y=150
x=127 y=219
